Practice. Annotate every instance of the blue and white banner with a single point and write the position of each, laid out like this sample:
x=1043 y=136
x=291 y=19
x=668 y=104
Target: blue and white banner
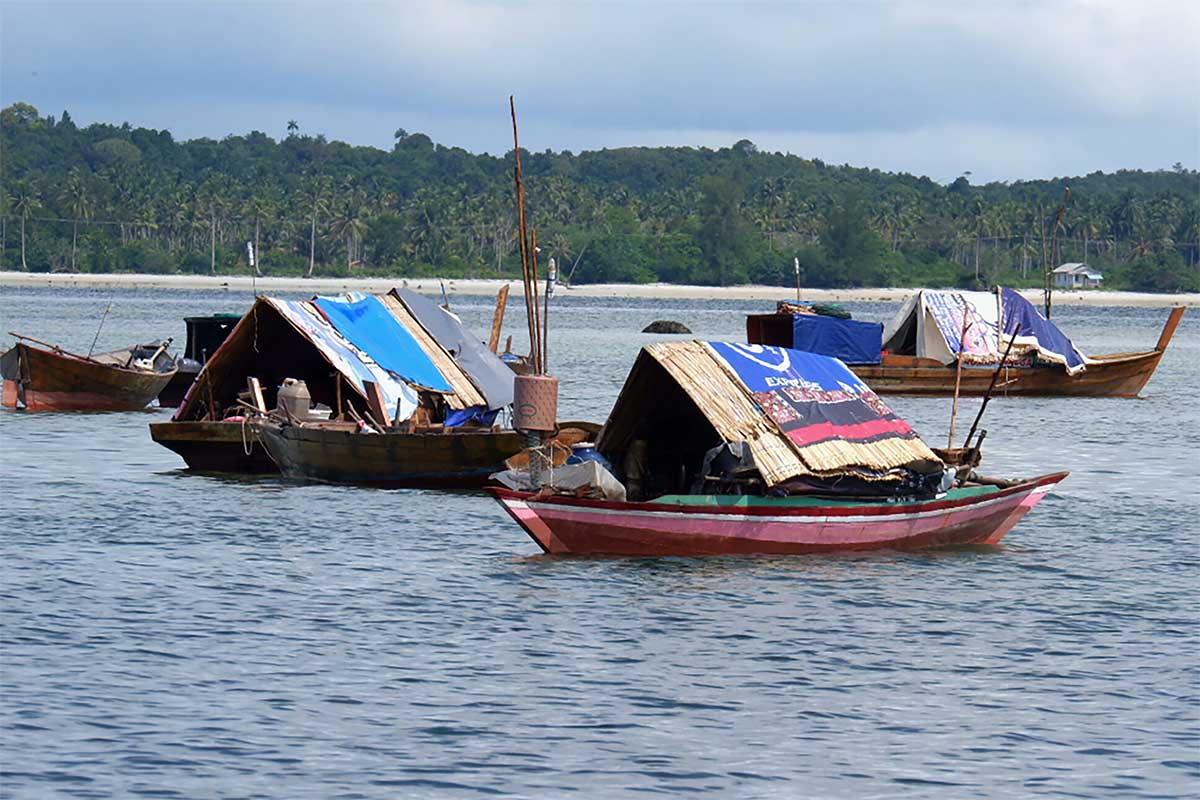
x=812 y=398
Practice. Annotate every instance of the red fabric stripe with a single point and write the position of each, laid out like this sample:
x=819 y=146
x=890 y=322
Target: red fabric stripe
x=823 y=431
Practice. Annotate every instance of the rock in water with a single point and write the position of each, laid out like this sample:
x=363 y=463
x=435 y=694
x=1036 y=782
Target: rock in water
x=666 y=326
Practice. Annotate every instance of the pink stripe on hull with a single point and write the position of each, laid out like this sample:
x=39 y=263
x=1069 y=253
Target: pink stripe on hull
x=562 y=528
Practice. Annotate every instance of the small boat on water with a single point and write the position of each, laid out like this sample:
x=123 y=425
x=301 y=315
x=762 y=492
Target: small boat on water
x=719 y=449
x=688 y=525
x=919 y=351
x=394 y=391
x=44 y=377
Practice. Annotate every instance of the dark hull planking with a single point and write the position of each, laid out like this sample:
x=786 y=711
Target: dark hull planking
x=215 y=446
x=458 y=458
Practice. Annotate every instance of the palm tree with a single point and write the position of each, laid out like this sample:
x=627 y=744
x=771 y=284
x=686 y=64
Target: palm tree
x=350 y=221
x=315 y=198
x=213 y=200
x=292 y=127
x=78 y=203
x=979 y=220
x=25 y=201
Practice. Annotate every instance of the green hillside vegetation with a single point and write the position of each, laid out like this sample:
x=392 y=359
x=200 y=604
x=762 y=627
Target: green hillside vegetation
x=113 y=198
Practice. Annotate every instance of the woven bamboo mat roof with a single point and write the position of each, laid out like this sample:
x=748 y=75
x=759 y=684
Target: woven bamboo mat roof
x=735 y=415
x=465 y=394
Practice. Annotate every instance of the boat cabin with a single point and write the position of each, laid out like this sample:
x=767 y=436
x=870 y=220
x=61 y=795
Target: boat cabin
x=413 y=354
x=931 y=326
x=721 y=418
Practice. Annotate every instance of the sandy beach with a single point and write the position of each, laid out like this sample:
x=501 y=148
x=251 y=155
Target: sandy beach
x=490 y=287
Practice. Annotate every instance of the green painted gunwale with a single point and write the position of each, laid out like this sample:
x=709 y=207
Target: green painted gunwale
x=735 y=501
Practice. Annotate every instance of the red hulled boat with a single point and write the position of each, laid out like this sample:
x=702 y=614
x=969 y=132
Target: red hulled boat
x=722 y=525
x=715 y=448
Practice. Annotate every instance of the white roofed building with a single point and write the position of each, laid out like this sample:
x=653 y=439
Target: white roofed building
x=1076 y=275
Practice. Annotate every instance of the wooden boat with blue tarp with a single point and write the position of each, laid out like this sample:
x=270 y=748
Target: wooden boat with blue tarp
x=395 y=392
x=715 y=448
x=919 y=351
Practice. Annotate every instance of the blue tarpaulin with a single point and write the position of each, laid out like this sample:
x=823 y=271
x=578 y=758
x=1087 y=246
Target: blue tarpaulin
x=852 y=341
x=455 y=419
x=354 y=364
x=1023 y=319
x=370 y=327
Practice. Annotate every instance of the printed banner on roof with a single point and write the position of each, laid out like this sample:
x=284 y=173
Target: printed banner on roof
x=812 y=398
x=983 y=326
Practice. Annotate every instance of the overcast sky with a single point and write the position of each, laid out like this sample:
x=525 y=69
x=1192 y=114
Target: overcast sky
x=1004 y=90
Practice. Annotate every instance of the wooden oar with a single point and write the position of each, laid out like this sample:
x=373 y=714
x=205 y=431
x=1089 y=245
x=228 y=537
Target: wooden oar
x=58 y=349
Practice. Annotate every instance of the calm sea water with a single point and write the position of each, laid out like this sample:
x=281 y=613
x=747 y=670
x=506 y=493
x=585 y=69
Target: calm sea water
x=176 y=635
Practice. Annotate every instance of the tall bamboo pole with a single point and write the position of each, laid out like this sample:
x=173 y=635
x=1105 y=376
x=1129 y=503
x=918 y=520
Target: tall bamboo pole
x=551 y=280
x=537 y=314
x=1053 y=261
x=530 y=311
x=991 y=387
x=962 y=341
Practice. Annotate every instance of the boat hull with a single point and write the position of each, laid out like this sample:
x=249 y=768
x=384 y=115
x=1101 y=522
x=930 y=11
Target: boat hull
x=174 y=392
x=1106 y=376
x=457 y=458
x=50 y=381
x=215 y=446
x=1118 y=375
x=563 y=525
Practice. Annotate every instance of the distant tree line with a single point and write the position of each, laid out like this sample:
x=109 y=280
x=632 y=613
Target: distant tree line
x=108 y=198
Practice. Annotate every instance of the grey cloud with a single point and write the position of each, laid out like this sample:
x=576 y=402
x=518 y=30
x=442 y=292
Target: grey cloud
x=845 y=75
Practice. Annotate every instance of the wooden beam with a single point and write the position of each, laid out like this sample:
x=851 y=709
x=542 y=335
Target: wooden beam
x=1168 y=330
x=375 y=403
x=498 y=318
x=256 y=395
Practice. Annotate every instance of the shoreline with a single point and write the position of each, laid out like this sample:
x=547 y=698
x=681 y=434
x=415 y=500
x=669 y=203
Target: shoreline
x=489 y=287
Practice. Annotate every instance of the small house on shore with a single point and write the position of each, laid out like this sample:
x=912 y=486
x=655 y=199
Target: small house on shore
x=1076 y=275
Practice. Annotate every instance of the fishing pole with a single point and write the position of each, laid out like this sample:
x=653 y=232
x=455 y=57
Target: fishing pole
x=99 y=327
x=991 y=386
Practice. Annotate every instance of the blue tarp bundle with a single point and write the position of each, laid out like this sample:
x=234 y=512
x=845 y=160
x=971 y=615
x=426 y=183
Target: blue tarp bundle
x=1023 y=319
x=479 y=414
x=852 y=341
x=369 y=326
